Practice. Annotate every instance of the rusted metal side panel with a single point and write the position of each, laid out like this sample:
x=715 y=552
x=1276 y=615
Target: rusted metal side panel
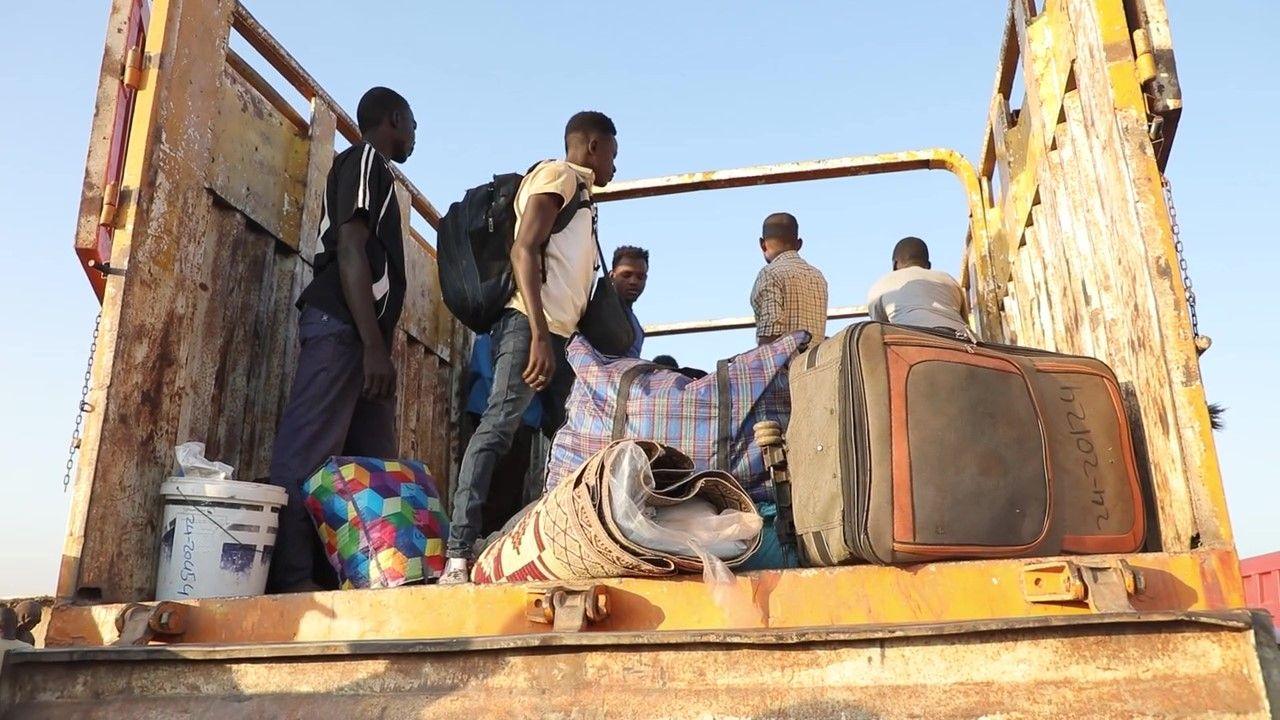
x=1151 y=669
x=1087 y=239
x=138 y=415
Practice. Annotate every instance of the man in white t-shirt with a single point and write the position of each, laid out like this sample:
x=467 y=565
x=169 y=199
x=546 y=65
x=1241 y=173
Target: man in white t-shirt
x=915 y=294
x=553 y=287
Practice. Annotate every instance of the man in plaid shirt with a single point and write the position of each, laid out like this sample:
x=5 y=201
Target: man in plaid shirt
x=789 y=294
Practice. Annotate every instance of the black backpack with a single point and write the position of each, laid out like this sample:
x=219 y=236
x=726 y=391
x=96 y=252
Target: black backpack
x=473 y=249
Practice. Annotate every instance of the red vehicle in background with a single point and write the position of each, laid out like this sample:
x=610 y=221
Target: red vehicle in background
x=1262 y=582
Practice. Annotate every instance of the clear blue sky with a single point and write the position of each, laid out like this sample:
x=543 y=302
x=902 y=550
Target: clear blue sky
x=692 y=86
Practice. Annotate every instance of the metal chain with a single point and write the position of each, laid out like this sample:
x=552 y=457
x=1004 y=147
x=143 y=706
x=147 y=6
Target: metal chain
x=1182 y=258
x=84 y=406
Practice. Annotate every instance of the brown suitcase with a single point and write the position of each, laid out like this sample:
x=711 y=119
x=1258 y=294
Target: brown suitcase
x=908 y=445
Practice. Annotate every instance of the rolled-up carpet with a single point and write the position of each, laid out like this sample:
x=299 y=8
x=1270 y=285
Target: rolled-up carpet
x=572 y=533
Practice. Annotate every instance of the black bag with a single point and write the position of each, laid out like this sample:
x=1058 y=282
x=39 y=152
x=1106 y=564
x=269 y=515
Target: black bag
x=606 y=323
x=473 y=249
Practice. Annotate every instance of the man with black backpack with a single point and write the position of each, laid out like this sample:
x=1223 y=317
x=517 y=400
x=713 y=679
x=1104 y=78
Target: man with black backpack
x=555 y=260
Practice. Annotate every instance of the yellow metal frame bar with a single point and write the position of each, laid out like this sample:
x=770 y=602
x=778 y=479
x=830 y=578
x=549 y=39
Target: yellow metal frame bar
x=738 y=323
x=853 y=166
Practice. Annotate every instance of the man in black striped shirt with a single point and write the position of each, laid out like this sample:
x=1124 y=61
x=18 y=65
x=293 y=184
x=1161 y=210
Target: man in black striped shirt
x=343 y=396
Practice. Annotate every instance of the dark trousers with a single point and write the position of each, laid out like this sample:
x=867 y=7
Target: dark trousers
x=508 y=399
x=326 y=415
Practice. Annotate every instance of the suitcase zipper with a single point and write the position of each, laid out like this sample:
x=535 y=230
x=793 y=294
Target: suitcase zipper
x=860 y=544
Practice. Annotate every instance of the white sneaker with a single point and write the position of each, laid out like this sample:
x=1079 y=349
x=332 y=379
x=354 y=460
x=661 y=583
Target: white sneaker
x=456 y=572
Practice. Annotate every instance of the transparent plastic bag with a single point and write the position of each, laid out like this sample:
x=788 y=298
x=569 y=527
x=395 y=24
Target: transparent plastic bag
x=193 y=464
x=690 y=529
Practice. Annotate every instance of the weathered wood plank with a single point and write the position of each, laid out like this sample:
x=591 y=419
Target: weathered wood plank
x=429 y=415
x=1028 y=299
x=86 y=238
x=442 y=430
x=1041 y=308
x=213 y=366
x=319 y=160
x=274 y=340
x=260 y=161
x=420 y=301
x=82 y=489
x=1058 y=279
x=408 y=362
x=998 y=117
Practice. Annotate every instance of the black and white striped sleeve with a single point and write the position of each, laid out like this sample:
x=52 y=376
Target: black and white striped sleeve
x=362 y=185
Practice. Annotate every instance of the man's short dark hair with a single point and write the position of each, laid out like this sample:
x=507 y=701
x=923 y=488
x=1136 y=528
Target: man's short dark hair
x=781 y=226
x=666 y=361
x=629 y=251
x=376 y=106
x=911 y=251
x=588 y=123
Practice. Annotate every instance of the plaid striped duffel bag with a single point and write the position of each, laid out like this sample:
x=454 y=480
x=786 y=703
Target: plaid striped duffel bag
x=710 y=419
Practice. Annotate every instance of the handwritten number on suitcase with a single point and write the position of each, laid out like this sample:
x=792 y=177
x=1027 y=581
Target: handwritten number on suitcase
x=1076 y=421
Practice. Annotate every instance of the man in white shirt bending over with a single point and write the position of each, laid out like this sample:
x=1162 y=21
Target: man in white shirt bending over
x=914 y=294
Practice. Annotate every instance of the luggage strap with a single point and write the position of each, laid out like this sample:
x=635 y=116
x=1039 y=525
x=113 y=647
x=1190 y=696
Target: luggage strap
x=724 y=407
x=624 y=396
x=723 y=416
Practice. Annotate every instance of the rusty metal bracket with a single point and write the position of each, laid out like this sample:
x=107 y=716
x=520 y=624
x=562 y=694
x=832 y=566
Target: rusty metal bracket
x=110 y=204
x=138 y=624
x=131 y=76
x=568 y=609
x=1105 y=586
x=1145 y=60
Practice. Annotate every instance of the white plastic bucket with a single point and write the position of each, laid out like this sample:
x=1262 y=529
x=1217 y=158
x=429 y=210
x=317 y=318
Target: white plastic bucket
x=216 y=537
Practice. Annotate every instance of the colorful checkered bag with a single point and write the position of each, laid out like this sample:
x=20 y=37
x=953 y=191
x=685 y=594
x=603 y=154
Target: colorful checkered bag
x=381 y=521
x=711 y=420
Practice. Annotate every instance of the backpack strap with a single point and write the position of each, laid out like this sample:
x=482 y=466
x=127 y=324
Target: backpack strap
x=581 y=198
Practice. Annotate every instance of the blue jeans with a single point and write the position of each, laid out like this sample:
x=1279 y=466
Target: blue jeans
x=508 y=399
x=773 y=553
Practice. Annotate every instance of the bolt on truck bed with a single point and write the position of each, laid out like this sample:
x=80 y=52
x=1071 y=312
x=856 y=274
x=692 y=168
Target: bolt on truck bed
x=202 y=178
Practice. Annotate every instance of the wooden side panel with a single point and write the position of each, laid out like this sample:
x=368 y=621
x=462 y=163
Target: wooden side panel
x=1089 y=251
